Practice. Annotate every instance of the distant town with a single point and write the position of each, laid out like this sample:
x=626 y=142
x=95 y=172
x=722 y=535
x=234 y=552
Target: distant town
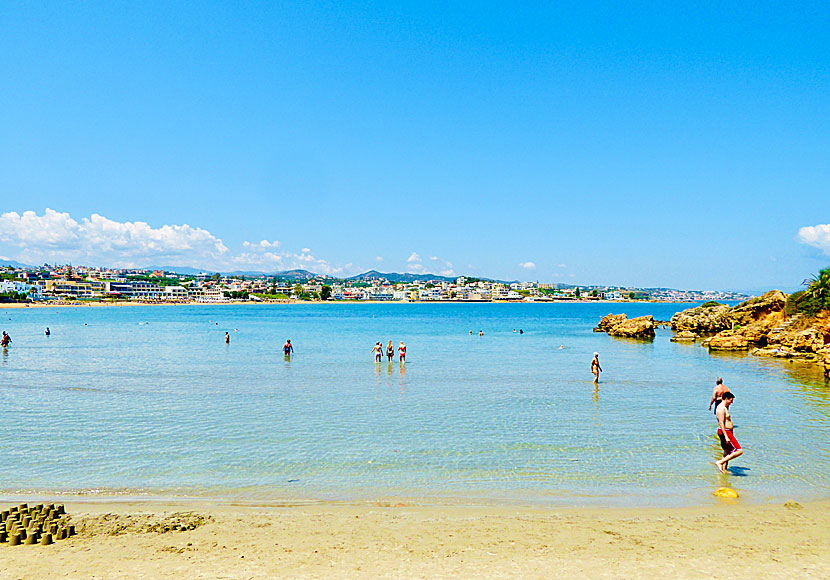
x=78 y=283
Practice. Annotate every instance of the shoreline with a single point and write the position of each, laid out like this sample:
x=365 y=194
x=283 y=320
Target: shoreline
x=143 y=540
x=700 y=497
x=24 y=305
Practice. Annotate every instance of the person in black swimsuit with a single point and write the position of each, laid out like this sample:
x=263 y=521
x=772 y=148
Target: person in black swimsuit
x=717 y=394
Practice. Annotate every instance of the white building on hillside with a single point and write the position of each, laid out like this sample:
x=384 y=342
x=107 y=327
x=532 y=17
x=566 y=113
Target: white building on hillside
x=22 y=287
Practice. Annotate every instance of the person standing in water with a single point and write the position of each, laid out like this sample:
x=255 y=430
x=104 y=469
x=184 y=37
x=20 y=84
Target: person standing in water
x=595 y=368
x=377 y=350
x=6 y=340
x=48 y=332
x=287 y=348
x=402 y=352
x=390 y=351
x=730 y=445
x=227 y=338
x=717 y=394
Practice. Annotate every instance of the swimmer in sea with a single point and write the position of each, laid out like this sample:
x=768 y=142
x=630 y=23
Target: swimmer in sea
x=390 y=351
x=6 y=340
x=402 y=352
x=730 y=445
x=287 y=348
x=48 y=332
x=481 y=333
x=377 y=350
x=595 y=368
x=227 y=338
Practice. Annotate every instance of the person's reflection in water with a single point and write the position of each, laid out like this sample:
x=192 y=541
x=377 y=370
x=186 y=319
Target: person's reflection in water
x=389 y=369
x=402 y=378
x=595 y=396
x=5 y=359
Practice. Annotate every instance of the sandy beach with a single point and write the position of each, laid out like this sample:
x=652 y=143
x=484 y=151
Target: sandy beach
x=151 y=540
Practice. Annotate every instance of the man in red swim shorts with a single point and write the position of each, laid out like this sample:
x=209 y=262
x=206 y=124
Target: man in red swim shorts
x=731 y=447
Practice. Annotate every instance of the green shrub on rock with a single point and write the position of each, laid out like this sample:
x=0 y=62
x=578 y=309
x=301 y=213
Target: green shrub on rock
x=817 y=295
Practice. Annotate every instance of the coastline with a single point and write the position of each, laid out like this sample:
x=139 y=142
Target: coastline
x=135 y=540
x=24 y=305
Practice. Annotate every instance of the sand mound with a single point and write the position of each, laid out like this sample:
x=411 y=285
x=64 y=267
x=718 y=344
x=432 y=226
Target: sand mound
x=111 y=524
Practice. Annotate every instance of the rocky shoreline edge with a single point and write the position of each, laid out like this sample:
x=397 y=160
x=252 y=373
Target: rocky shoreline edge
x=759 y=325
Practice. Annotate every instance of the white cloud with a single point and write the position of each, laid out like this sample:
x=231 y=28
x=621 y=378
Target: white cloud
x=416 y=266
x=816 y=236
x=262 y=244
x=527 y=265
x=379 y=258
x=56 y=236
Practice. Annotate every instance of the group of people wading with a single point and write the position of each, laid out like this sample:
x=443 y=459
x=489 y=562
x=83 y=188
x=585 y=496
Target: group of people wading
x=377 y=350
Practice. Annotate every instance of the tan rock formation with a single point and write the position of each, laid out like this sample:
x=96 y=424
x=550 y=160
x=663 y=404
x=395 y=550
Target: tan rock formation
x=728 y=340
x=621 y=325
x=702 y=319
x=684 y=336
x=610 y=321
x=758 y=308
x=640 y=327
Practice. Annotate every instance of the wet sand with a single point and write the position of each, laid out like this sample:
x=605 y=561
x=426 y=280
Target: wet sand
x=152 y=540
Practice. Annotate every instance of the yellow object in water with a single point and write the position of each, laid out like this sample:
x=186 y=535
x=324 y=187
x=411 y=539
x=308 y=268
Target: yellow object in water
x=726 y=492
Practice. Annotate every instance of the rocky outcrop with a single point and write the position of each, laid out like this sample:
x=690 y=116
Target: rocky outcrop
x=758 y=325
x=755 y=318
x=758 y=308
x=702 y=320
x=610 y=321
x=640 y=327
x=621 y=325
x=728 y=340
x=737 y=328
x=684 y=336
x=801 y=338
x=751 y=322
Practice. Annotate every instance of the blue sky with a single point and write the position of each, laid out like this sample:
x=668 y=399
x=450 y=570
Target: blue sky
x=583 y=143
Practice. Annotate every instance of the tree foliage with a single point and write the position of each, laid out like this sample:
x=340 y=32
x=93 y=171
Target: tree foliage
x=13 y=297
x=236 y=294
x=815 y=298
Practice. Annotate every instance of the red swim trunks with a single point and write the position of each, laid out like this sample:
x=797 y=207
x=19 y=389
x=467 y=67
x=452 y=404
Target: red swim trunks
x=728 y=442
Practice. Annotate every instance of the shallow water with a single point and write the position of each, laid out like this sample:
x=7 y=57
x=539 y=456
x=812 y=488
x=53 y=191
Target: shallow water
x=149 y=399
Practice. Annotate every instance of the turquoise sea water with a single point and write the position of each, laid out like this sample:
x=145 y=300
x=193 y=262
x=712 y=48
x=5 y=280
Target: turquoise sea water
x=150 y=400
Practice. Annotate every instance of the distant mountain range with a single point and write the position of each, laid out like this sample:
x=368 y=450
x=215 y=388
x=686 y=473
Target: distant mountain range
x=396 y=278
x=13 y=264
x=392 y=277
